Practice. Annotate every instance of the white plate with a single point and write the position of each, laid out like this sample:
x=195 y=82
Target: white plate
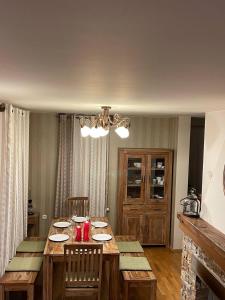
x=61 y=224
x=99 y=224
x=79 y=219
x=58 y=237
x=101 y=237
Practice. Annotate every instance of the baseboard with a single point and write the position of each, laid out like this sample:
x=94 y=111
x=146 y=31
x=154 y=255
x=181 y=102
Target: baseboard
x=176 y=250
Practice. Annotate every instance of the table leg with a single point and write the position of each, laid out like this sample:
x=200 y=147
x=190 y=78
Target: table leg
x=114 y=277
x=47 y=277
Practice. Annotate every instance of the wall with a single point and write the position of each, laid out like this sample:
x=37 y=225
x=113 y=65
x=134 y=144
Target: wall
x=213 y=198
x=181 y=166
x=43 y=163
x=146 y=132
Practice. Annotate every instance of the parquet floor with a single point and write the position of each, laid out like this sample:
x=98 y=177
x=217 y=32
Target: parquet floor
x=166 y=266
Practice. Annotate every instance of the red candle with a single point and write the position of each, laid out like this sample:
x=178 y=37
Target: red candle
x=86 y=231
x=78 y=234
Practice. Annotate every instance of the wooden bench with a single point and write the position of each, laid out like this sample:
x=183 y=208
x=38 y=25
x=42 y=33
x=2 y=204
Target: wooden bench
x=140 y=280
x=20 y=281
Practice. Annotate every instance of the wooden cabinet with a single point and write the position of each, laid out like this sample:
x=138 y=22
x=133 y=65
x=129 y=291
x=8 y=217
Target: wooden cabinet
x=33 y=225
x=144 y=194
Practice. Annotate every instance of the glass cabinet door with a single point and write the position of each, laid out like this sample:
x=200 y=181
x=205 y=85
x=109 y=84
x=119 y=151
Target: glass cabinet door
x=135 y=179
x=156 y=186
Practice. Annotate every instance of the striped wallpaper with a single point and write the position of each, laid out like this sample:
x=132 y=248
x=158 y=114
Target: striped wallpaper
x=145 y=132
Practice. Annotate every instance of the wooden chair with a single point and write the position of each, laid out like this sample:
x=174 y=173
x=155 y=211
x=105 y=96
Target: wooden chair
x=78 y=206
x=82 y=270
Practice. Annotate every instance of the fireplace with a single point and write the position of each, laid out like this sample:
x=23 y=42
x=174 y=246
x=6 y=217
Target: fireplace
x=207 y=284
x=203 y=261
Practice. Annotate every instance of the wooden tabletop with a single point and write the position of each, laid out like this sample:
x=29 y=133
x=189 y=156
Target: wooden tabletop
x=57 y=248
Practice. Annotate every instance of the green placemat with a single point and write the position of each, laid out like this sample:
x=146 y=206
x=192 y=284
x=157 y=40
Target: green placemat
x=25 y=264
x=31 y=246
x=129 y=246
x=133 y=263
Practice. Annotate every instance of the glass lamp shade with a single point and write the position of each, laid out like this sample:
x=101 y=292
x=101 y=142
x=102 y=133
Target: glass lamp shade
x=85 y=131
x=102 y=131
x=122 y=132
x=94 y=132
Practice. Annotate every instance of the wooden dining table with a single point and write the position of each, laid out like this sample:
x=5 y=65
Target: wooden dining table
x=54 y=254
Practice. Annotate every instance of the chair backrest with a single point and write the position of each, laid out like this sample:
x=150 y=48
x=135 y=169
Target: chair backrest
x=83 y=265
x=78 y=206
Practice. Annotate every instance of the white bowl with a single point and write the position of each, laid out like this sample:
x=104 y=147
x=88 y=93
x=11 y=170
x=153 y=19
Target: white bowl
x=137 y=164
x=138 y=181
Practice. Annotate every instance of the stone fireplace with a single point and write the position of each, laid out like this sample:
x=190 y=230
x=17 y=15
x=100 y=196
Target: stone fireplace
x=203 y=260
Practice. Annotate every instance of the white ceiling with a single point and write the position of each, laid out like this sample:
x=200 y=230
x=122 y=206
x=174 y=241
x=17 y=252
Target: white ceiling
x=142 y=56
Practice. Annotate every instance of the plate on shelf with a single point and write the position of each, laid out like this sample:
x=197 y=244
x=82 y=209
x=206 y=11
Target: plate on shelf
x=58 y=237
x=101 y=237
x=99 y=224
x=157 y=197
x=62 y=224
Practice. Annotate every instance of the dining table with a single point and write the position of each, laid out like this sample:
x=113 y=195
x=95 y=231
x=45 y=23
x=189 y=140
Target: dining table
x=54 y=254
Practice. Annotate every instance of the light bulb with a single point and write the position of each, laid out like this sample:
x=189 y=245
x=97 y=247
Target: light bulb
x=122 y=132
x=94 y=132
x=102 y=131
x=85 y=131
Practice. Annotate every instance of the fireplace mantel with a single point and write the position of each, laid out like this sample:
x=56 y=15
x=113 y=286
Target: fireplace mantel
x=208 y=238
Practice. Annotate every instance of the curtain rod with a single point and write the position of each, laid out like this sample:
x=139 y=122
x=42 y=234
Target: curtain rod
x=2 y=107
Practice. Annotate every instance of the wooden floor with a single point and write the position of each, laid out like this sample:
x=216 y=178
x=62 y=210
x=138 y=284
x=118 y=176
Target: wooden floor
x=166 y=266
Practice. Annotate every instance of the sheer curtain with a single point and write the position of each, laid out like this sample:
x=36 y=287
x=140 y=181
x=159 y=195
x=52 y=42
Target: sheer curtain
x=14 y=155
x=82 y=167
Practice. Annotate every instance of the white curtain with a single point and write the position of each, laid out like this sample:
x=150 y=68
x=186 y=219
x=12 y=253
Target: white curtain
x=82 y=167
x=14 y=156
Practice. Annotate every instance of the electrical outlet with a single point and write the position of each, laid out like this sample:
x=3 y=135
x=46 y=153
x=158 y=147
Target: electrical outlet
x=44 y=217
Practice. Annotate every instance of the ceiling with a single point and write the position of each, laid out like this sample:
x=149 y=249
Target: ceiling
x=140 y=57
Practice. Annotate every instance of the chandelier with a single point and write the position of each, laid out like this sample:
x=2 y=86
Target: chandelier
x=98 y=125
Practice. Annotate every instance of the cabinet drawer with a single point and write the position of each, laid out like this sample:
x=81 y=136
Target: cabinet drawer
x=142 y=209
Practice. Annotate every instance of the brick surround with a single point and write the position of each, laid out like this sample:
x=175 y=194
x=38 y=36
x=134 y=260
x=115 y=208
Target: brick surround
x=192 y=287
